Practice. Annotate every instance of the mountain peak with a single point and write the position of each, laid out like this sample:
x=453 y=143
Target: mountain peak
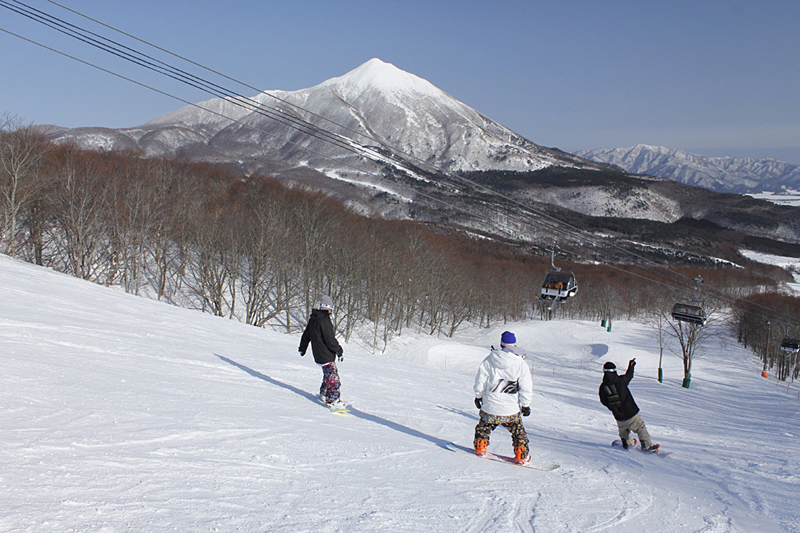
x=376 y=101
x=377 y=75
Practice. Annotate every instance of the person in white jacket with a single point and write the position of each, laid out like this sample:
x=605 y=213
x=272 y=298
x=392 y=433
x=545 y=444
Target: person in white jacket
x=503 y=390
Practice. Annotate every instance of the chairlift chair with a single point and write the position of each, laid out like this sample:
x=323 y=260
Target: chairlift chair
x=690 y=313
x=559 y=285
x=789 y=344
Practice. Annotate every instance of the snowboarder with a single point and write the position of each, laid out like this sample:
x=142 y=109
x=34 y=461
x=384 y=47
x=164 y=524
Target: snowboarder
x=503 y=389
x=615 y=395
x=326 y=349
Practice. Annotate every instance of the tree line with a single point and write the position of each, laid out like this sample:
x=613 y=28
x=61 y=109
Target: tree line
x=253 y=249
x=761 y=323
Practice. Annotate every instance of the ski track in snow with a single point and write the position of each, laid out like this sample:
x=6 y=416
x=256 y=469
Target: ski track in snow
x=124 y=414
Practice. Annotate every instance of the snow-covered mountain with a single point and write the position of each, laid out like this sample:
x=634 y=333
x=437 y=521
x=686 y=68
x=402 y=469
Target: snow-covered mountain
x=382 y=140
x=740 y=175
x=374 y=105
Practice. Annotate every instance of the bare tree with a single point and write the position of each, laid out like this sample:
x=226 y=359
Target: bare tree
x=761 y=322
x=177 y=196
x=78 y=201
x=658 y=322
x=133 y=214
x=22 y=151
x=690 y=338
x=216 y=264
x=314 y=220
x=266 y=241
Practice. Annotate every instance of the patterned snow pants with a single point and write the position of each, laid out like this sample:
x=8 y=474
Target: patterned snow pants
x=635 y=425
x=513 y=423
x=329 y=390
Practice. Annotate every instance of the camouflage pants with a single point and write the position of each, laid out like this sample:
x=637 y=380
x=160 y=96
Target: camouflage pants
x=329 y=390
x=635 y=425
x=512 y=423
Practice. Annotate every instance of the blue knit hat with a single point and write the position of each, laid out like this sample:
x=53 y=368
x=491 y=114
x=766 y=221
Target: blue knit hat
x=508 y=338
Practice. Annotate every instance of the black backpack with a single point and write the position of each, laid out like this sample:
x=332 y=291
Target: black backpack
x=612 y=397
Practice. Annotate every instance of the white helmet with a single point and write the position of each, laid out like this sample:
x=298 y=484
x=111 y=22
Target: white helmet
x=325 y=303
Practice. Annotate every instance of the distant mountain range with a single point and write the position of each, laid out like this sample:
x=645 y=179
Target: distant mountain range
x=739 y=175
x=378 y=106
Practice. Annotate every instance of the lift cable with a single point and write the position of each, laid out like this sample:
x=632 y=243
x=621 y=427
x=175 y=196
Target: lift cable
x=375 y=140
x=345 y=143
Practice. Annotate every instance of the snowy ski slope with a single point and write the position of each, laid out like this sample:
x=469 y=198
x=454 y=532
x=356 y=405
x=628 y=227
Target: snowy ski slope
x=119 y=413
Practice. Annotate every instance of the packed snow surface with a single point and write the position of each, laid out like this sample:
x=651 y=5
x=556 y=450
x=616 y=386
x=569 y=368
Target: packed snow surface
x=788 y=198
x=120 y=413
x=792 y=264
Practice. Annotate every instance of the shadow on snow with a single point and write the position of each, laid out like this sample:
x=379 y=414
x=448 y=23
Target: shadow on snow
x=355 y=412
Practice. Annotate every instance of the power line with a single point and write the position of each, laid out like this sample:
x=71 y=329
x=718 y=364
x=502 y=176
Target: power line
x=373 y=139
x=552 y=225
x=251 y=105
x=159 y=91
x=177 y=74
x=544 y=221
x=566 y=231
x=189 y=79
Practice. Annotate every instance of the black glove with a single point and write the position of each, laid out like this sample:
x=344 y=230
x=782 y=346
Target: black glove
x=632 y=363
x=526 y=411
x=478 y=402
x=302 y=353
x=341 y=356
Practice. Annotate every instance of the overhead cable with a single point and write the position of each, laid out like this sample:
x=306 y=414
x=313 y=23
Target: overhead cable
x=545 y=221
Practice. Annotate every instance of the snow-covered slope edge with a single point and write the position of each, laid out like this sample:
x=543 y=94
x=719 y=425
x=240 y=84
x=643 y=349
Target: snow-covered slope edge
x=121 y=413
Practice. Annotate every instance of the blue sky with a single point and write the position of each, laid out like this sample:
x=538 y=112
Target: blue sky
x=711 y=77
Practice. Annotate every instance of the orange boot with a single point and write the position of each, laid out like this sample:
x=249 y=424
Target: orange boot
x=480 y=447
x=520 y=455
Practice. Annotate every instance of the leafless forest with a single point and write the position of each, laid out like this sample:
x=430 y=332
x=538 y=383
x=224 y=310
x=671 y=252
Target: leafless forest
x=255 y=250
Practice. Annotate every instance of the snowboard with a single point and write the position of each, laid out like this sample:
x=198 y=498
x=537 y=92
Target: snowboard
x=545 y=467
x=342 y=411
x=618 y=444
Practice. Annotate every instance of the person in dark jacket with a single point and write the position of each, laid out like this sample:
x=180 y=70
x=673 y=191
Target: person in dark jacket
x=326 y=349
x=616 y=396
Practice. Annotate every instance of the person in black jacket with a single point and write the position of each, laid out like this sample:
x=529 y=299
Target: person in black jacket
x=326 y=349
x=615 y=395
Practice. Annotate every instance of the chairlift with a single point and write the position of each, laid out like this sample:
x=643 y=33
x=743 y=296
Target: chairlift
x=558 y=285
x=790 y=344
x=690 y=313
